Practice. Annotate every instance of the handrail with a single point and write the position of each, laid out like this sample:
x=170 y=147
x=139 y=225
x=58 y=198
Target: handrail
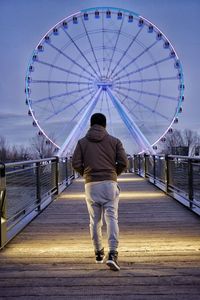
x=28 y=187
x=178 y=176
x=184 y=157
x=25 y=192
x=27 y=162
x=171 y=156
x=2 y=203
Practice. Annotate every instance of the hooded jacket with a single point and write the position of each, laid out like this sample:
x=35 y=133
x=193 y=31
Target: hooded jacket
x=99 y=156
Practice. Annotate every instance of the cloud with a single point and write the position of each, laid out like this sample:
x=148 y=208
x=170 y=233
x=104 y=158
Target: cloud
x=16 y=128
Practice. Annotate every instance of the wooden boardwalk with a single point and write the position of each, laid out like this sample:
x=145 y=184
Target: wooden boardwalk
x=159 y=250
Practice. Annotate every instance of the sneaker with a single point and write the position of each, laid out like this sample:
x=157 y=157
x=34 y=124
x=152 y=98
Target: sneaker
x=112 y=262
x=99 y=256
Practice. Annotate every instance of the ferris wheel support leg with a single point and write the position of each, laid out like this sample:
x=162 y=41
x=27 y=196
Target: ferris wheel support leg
x=68 y=146
x=134 y=130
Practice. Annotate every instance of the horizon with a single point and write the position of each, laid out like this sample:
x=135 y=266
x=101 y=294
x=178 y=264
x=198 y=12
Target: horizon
x=38 y=17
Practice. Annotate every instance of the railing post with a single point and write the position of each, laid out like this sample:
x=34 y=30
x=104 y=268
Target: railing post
x=154 y=169
x=3 y=237
x=166 y=173
x=134 y=162
x=73 y=171
x=66 y=170
x=145 y=165
x=190 y=182
x=38 y=185
x=56 y=174
x=139 y=165
x=131 y=162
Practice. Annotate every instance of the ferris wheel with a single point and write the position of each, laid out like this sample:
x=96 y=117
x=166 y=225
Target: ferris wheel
x=108 y=60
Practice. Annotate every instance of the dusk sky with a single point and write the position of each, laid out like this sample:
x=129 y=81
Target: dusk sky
x=24 y=22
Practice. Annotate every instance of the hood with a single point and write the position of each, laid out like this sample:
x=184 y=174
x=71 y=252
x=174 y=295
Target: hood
x=96 y=133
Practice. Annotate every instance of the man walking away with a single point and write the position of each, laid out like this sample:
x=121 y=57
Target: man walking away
x=100 y=158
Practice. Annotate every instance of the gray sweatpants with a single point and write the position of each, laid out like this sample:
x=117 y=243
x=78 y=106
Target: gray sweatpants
x=102 y=197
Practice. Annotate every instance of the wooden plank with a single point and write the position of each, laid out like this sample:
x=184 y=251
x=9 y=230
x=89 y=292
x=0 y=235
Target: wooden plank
x=102 y=290
x=76 y=281
x=159 y=251
x=110 y=297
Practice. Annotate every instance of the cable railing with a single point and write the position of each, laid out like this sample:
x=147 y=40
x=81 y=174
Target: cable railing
x=26 y=188
x=178 y=176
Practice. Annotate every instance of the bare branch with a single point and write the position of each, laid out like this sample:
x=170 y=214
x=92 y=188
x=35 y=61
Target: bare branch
x=41 y=148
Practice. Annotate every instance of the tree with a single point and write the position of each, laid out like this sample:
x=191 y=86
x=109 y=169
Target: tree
x=181 y=139
x=41 y=148
x=4 y=149
x=191 y=140
x=172 y=140
x=14 y=153
x=20 y=153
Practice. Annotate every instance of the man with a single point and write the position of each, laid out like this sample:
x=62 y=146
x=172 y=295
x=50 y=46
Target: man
x=100 y=158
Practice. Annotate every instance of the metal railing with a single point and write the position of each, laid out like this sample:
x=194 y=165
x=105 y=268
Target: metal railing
x=178 y=176
x=26 y=188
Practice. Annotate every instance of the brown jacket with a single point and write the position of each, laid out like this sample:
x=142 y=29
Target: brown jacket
x=99 y=156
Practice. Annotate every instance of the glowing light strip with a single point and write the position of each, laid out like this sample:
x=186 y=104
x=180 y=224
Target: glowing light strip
x=118 y=179
x=110 y=8
x=128 y=195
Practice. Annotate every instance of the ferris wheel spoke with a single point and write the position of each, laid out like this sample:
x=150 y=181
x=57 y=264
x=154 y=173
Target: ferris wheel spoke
x=148 y=93
x=128 y=109
x=125 y=52
x=59 y=95
x=143 y=105
x=101 y=104
x=145 y=67
x=112 y=59
x=71 y=59
x=134 y=59
x=103 y=48
x=84 y=106
x=92 y=48
x=61 y=82
x=82 y=109
x=124 y=104
x=115 y=46
x=109 y=112
x=63 y=69
x=71 y=140
x=72 y=103
x=130 y=124
x=147 y=80
x=106 y=49
x=81 y=52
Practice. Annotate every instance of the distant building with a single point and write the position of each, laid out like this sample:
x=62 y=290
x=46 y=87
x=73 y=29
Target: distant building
x=181 y=150
x=197 y=151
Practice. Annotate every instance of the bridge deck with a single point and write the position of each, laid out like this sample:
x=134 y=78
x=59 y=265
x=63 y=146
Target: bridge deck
x=159 y=250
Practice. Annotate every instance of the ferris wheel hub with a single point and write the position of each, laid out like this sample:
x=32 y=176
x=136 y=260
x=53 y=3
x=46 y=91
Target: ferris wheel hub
x=104 y=83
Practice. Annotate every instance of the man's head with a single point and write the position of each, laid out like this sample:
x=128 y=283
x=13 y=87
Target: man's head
x=98 y=119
